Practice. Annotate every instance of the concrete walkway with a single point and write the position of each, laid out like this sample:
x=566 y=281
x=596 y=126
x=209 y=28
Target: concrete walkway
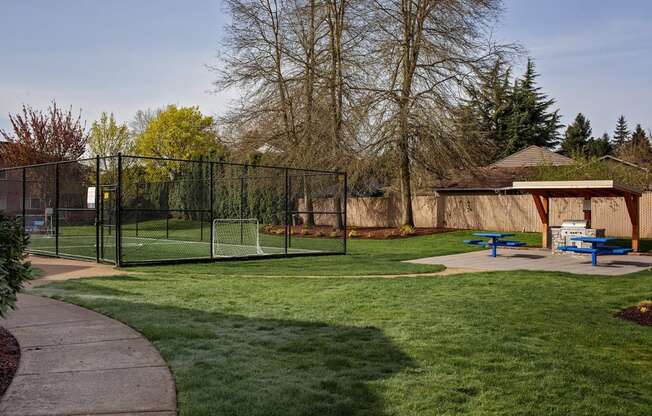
x=541 y=260
x=55 y=269
x=78 y=362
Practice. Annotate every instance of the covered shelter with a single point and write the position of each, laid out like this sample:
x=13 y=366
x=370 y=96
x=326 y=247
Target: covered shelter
x=542 y=191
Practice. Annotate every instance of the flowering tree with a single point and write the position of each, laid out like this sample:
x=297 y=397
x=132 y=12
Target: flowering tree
x=40 y=137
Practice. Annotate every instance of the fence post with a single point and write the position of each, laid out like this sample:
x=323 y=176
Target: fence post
x=56 y=209
x=210 y=192
x=137 y=204
x=118 y=215
x=167 y=225
x=241 y=209
x=286 y=210
x=23 y=208
x=346 y=194
x=290 y=214
x=97 y=208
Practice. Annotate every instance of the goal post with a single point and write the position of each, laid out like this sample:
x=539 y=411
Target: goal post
x=236 y=237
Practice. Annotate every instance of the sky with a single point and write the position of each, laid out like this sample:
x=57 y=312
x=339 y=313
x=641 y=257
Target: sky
x=120 y=56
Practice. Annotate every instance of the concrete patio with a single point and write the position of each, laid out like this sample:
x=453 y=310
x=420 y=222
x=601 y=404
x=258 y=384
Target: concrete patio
x=541 y=260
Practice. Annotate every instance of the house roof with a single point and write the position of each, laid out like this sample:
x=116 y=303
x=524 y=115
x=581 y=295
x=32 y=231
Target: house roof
x=576 y=188
x=532 y=156
x=481 y=178
x=624 y=162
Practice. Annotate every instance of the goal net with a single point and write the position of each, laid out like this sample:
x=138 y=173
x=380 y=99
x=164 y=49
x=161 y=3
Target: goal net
x=236 y=238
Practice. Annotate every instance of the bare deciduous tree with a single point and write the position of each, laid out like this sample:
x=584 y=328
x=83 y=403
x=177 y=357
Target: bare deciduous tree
x=424 y=50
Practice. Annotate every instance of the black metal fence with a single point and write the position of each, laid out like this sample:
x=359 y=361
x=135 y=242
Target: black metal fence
x=137 y=210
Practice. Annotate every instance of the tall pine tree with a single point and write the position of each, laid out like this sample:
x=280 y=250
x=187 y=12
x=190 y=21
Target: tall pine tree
x=531 y=121
x=621 y=134
x=638 y=149
x=598 y=147
x=577 y=136
x=483 y=117
x=639 y=138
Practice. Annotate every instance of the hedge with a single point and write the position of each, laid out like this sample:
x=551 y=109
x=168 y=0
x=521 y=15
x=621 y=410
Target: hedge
x=14 y=270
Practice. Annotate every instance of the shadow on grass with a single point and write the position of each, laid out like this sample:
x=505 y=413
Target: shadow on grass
x=241 y=365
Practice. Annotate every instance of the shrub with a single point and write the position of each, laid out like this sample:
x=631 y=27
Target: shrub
x=14 y=271
x=334 y=234
x=645 y=306
x=407 y=230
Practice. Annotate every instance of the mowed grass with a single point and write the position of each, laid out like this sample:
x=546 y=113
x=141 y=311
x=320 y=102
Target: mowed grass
x=365 y=257
x=479 y=344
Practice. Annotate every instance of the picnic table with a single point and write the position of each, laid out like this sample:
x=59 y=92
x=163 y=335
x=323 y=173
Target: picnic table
x=598 y=247
x=495 y=240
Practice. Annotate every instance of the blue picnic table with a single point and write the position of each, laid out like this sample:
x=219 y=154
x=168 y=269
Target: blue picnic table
x=598 y=247
x=495 y=241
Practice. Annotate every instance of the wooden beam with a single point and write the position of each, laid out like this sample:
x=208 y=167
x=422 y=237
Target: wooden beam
x=543 y=208
x=587 y=212
x=632 y=202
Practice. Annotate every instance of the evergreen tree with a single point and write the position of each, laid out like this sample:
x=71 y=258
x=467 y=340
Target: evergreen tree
x=577 y=136
x=621 y=134
x=598 y=147
x=482 y=119
x=531 y=122
x=639 y=137
x=638 y=149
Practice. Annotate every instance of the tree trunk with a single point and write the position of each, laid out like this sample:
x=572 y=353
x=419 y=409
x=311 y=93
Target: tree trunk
x=339 y=224
x=407 y=217
x=310 y=68
x=308 y=206
x=335 y=18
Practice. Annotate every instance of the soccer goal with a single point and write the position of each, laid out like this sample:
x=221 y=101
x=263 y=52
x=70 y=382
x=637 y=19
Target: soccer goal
x=236 y=238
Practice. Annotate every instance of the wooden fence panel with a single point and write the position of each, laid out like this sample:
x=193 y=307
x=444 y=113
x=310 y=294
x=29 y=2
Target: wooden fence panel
x=497 y=212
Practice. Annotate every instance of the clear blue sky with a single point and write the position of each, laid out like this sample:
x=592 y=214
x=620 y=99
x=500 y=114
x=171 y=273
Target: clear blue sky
x=124 y=55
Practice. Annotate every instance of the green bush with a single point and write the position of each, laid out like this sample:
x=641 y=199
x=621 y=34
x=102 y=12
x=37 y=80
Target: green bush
x=14 y=270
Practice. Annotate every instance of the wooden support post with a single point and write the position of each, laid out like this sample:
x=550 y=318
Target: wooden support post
x=632 y=203
x=543 y=208
x=586 y=208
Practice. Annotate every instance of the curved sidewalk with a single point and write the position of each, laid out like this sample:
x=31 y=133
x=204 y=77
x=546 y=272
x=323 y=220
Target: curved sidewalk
x=78 y=362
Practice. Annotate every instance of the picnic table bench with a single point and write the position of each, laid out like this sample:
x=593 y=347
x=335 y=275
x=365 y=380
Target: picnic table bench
x=598 y=247
x=495 y=241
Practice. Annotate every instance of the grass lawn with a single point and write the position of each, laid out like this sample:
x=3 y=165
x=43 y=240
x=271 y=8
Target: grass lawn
x=365 y=257
x=483 y=344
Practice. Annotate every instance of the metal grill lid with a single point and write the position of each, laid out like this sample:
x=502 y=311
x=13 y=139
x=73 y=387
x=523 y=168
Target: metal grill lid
x=574 y=224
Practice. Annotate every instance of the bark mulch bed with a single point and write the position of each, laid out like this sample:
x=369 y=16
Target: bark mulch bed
x=635 y=314
x=363 y=233
x=9 y=357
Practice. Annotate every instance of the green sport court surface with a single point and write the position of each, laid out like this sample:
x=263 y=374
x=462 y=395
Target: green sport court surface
x=181 y=240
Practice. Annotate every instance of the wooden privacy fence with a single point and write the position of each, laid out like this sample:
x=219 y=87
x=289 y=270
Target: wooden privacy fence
x=489 y=211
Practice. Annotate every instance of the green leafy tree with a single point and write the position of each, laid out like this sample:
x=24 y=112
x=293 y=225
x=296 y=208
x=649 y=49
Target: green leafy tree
x=584 y=168
x=108 y=138
x=178 y=133
x=14 y=270
x=621 y=134
x=577 y=136
x=531 y=121
x=598 y=147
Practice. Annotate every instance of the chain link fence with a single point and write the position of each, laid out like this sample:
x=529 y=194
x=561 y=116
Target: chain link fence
x=132 y=210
